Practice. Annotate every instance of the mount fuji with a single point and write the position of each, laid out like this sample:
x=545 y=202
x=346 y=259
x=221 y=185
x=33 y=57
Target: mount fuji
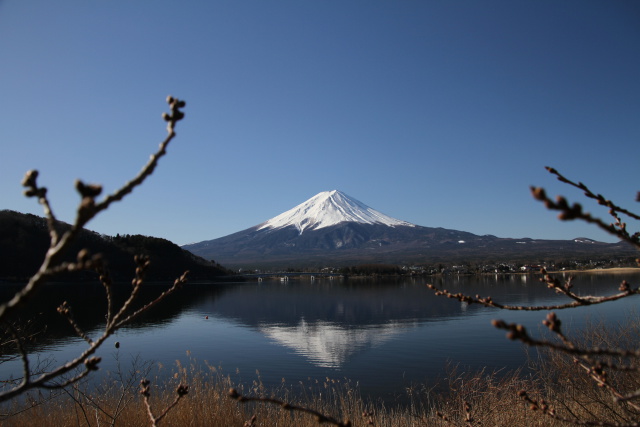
x=327 y=209
x=332 y=228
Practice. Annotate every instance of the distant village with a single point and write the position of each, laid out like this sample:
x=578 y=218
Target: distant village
x=512 y=267
x=471 y=268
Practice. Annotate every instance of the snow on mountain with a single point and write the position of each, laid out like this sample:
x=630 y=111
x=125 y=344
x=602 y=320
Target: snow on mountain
x=327 y=209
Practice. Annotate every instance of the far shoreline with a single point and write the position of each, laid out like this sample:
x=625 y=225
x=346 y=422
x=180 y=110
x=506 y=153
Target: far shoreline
x=614 y=270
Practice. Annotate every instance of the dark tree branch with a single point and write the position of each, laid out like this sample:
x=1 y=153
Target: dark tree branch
x=52 y=264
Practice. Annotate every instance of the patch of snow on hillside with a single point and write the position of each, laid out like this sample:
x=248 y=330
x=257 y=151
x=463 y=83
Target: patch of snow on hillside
x=330 y=208
x=583 y=240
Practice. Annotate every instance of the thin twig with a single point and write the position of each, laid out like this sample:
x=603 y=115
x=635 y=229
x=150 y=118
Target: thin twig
x=181 y=391
x=320 y=417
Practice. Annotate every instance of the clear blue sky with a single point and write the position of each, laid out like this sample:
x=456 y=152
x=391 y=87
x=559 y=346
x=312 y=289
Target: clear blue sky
x=440 y=113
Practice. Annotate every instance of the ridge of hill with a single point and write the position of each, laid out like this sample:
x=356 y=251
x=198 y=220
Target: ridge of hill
x=24 y=239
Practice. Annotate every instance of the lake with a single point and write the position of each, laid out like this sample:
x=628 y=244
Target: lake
x=384 y=335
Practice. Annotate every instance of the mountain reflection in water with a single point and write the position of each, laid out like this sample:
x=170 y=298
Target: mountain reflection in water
x=330 y=345
x=396 y=329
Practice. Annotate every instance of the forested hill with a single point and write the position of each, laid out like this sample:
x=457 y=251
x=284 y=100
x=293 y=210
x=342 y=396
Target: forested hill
x=24 y=240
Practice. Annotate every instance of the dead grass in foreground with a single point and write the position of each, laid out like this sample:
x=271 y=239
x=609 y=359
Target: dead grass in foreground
x=492 y=399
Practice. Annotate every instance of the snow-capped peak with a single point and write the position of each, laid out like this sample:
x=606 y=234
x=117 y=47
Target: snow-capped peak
x=330 y=208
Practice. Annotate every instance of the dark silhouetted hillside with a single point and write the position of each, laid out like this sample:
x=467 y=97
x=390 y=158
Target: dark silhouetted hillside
x=24 y=239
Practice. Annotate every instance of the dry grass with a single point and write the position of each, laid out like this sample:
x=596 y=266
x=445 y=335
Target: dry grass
x=492 y=398
x=475 y=399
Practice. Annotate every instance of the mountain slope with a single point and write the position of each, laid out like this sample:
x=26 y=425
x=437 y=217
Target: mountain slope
x=24 y=239
x=334 y=229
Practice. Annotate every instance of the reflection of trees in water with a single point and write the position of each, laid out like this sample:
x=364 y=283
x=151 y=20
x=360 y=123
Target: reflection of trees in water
x=89 y=305
x=354 y=303
x=329 y=322
x=353 y=308
x=371 y=302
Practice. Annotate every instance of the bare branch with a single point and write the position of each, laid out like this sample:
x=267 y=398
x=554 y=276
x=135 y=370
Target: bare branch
x=65 y=310
x=32 y=190
x=52 y=264
x=567 y=212
x=181 y=391
x=594 y=361
x=26 y=371
x=86 y=211
x=579 y=301
x=321 y=418
x=587 y=192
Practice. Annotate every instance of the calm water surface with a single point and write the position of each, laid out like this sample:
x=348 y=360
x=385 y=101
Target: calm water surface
x=384 y=335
